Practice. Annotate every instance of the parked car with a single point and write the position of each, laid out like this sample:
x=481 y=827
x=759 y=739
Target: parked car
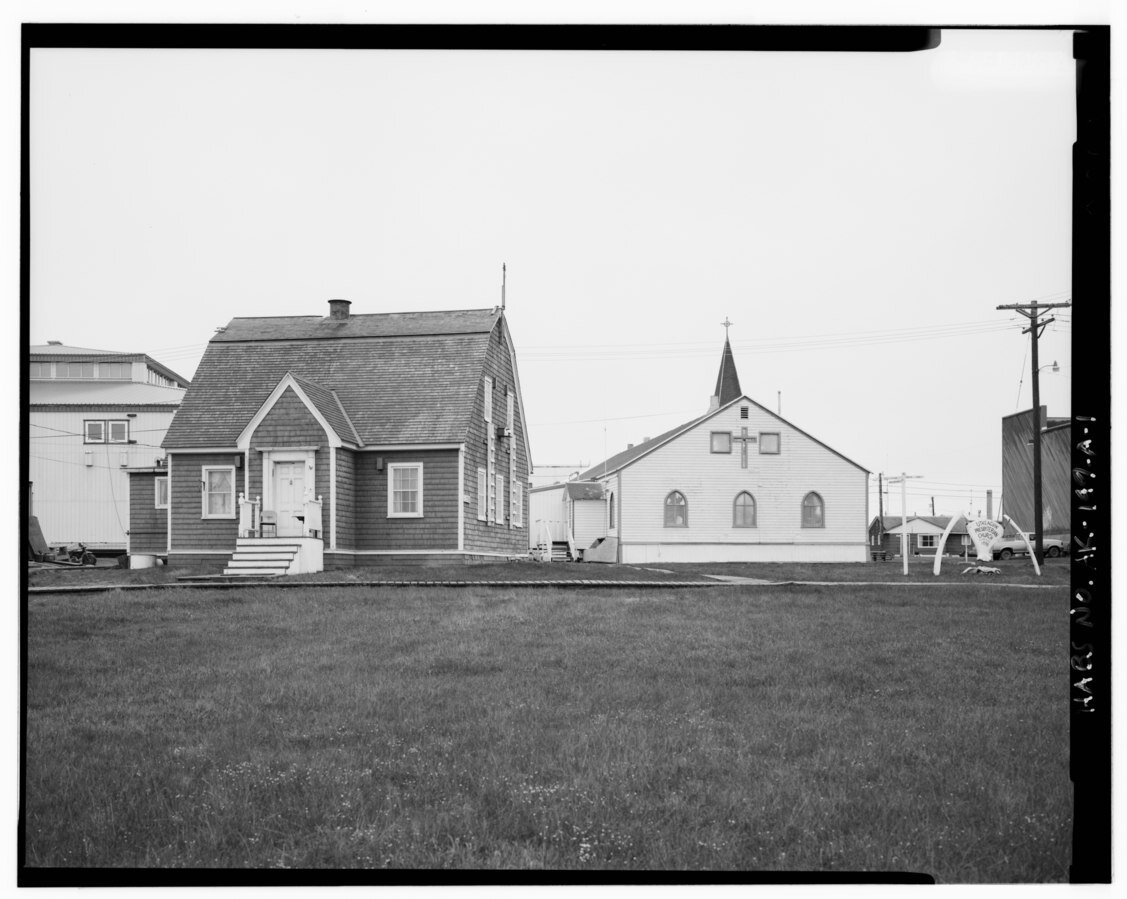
x=1008 y=547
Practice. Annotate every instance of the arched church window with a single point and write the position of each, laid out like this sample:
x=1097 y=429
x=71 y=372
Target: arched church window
x=743 y=510
x=813 y=511
x=676 y=511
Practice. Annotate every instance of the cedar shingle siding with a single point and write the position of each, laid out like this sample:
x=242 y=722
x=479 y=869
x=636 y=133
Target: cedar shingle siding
x=482 y=536
x=347 y=464
x=148 y=525
x=438 y=527
x=190 y=530
x=397 y=388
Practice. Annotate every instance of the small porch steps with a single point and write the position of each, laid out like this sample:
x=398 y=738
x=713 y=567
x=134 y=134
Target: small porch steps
x=561 y=552
x=261 y=557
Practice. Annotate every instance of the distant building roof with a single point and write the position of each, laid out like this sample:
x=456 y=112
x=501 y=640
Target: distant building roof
x=60 y=349
x=51 y=352
x=891 y=522
x=102 y=393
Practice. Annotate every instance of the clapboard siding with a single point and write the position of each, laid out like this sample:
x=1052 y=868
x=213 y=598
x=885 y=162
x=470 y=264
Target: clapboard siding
x=711 y=481
x=88 y=503
x=588 y=521
x=438 y=527
x=482 y=536
x=545 y=507
x=148 y=525
x=346 y=499
x=190 y=530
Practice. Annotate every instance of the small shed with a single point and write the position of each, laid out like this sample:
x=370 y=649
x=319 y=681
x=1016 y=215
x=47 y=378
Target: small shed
x=586 y=511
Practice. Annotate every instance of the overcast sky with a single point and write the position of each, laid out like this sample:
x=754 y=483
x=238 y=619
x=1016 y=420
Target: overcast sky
x=858 y=217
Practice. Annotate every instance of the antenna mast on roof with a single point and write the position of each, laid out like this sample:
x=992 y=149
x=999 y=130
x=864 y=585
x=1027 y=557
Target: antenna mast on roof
x=502 y=287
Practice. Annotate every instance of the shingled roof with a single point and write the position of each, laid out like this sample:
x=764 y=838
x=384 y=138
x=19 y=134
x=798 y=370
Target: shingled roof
x=393 y=378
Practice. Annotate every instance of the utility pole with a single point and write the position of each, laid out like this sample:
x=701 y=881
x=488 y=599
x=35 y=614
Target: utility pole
x=880 y=506
x=1032 y=311
x=903 y=479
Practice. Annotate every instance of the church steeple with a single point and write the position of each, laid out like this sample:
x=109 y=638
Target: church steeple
x=727 y=381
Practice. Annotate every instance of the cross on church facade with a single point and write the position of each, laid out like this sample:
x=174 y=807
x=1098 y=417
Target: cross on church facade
x=744 y=440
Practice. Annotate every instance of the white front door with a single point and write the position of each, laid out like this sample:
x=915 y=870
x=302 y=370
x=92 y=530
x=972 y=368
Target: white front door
x=289 y=497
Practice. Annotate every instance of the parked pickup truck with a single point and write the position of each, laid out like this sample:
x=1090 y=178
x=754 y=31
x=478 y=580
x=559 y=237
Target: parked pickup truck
x=1008 y=547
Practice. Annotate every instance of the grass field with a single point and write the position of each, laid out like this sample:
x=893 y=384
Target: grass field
x=1012 y=571
x=833 y=729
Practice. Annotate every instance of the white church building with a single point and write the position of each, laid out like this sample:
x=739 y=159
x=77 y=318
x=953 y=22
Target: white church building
x=739 y=483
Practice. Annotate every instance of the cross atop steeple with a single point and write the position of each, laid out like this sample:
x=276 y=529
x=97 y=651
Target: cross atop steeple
x=727 y=324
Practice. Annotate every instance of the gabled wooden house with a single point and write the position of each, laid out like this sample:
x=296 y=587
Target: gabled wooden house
x=309 y=442
x=739 y=483
x=924 y=534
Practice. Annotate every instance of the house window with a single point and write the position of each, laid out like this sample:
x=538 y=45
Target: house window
x=39 y=370
x=743 y=412
x=610 y=512
x=518 y=504
x=77 y=369
x=482 y=492
x=488 y=385
x=721 y=441
x=743 y=510
x=405 y=490
x=95 y=431
x=813 y=511
x=676 y=511
x=768 y=443
x=219 y=491
x=119 y=431
x=927 y=541
x=161 y=493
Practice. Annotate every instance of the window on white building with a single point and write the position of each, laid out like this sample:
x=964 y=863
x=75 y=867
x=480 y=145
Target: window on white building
x=119 y=431
x=115 y=371
x=743 y=510
x=76 y=369
x=768 y=443
x=94 y=431
x=676 y=510
x=813 y=511
x=928 y=541
x=721 y=441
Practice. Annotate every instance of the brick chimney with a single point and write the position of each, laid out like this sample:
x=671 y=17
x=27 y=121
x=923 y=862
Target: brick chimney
x=338 y=309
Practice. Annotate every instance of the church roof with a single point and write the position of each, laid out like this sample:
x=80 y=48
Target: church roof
x=727 y=381
x=626 y=457
x=397 y=378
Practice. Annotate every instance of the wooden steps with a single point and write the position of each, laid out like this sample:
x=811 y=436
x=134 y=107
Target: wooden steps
x=261 y=557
